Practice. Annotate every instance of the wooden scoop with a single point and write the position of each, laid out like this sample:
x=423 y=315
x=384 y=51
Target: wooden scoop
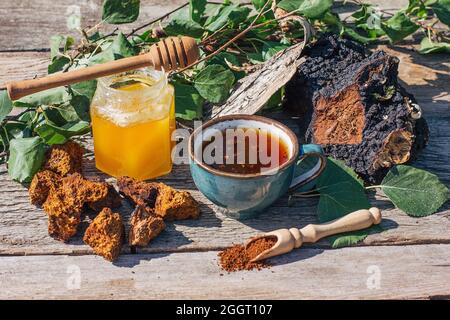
x=294 y=238
x=168 y=54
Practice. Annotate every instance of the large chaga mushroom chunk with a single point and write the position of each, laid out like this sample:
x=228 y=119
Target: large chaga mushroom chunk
x=350 y=102
x=105 y=234
x=145 y=226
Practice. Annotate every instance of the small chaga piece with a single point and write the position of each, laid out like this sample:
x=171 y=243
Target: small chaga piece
x=63 y=227
x=105 y=234
x=145 y=226
x=139 y=192
x=41 y=184
x=111 y=199
x=65 y=158
x=75 y=191
x=350 y=102
x=172 y=204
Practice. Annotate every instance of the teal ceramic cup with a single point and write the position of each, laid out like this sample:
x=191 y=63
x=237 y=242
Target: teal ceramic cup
x=243 y=196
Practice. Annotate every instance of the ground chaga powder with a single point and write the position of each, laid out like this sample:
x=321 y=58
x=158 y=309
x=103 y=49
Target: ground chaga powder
x=237 y=257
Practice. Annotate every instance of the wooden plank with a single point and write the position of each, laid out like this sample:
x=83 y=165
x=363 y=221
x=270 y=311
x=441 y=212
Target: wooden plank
x=23 y=230
x=421 y=272
x=29 y=24
x=23 y=227
x=23 y=65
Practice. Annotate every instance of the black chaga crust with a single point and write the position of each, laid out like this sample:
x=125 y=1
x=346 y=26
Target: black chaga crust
x=349 y=101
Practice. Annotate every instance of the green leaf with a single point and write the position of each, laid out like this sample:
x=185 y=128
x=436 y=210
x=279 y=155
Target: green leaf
x=48 y=97
x=259 y=4
x=57 y=42
x=427 y=46
x=197 y=9
x=120 y=11
x=255 y=57
x=271 y=48
x=214 y=83
x=275 y=101
x=356 y=36
x=417 y=8
x=85 y=88
x=81 y=106
x=309 y=8
x=17 y=130
x=399 y=26
x=58 y=64
x=188 y=102
x=232 y=14
x=118 y=49
x=121 y=47
x=60 y=115
x=53 y=134
x=82 y=94
x=223 y=58
x=414 y=191
x=181 y=24
x=5 y=105
x=442 y=10
x=25 y=158
x=342 y=192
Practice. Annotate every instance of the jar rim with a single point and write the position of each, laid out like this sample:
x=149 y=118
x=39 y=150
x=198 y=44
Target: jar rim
x=159 y=77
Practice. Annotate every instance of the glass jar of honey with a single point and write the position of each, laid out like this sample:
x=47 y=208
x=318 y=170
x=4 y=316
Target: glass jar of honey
x=133 y=117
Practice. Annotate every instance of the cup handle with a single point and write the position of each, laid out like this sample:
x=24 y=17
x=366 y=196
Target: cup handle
x=307 y=151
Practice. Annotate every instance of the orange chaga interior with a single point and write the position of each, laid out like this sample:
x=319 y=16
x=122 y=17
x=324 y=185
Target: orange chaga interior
x=339 y=119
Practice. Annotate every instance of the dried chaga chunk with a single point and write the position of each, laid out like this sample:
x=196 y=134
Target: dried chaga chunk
x=172 y=204
x=350 y=102
x=75 y=191
x=65 y=158
x=145 y=226
x=65 y=203
x=111 y=199
x=105 y=234
x=41 y=184
x=139 y=192
x=63 y=227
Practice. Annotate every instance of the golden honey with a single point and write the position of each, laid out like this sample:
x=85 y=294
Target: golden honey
x=133 y=117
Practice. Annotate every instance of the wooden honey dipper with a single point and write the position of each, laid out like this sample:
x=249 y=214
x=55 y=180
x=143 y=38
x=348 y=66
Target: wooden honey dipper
x=289 y=239
x=168 y=54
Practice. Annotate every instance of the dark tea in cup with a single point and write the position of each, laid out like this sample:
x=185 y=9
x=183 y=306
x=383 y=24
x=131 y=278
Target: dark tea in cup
x=245 y=150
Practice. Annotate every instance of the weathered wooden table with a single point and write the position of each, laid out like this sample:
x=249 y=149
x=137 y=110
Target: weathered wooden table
x=411 y=259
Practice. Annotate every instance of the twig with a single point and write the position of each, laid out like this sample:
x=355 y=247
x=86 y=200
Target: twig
x=157 y=19
x=17 y=116
x=112 y=33
x=175 y=10
x=252 y=26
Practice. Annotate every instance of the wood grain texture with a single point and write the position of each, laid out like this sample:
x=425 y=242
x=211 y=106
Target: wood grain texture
x=420 y=272
x=29 y=24
x=23 y=230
